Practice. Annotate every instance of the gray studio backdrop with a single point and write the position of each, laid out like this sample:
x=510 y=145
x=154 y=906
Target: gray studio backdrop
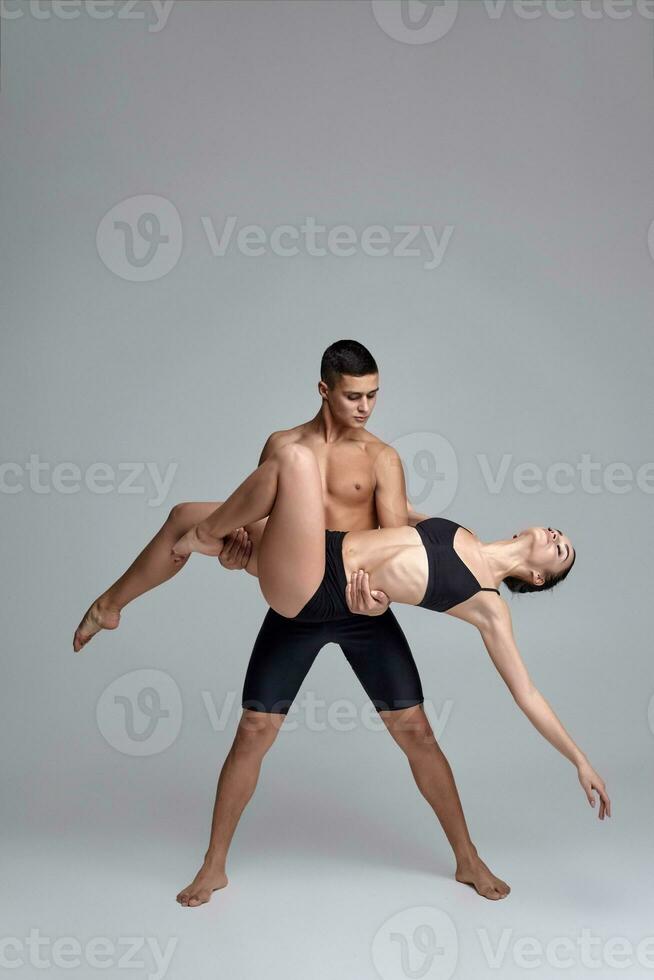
x=197 y=199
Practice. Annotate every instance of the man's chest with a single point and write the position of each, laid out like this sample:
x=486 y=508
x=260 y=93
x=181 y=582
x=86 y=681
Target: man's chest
x=347 y=474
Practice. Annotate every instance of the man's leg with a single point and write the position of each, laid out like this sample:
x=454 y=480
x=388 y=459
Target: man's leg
x=411 y=730
x=379 y=654
x=282 y=655
x=256 y=732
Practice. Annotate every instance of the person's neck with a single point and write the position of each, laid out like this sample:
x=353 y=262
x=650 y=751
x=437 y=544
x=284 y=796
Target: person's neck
x=507 y=557
x=324 y=425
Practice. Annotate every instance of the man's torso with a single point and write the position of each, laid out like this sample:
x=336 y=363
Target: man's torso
x=347 y=469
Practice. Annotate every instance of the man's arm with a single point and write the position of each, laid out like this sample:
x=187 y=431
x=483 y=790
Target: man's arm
x=394 y=509
x=391 y=506
x=390 y=490
x=414 y=516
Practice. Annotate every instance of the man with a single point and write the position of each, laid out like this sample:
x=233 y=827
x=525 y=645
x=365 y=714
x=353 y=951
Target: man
x=363 y=487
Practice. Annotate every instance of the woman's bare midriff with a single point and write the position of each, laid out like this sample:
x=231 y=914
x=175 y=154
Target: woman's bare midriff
x=395 y=559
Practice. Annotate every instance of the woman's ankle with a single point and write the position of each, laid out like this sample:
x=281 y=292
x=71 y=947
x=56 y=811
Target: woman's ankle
x=108 y=603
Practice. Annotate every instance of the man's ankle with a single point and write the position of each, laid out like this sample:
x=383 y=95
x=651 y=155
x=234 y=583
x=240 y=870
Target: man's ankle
x=215 y=859
x=466 y=855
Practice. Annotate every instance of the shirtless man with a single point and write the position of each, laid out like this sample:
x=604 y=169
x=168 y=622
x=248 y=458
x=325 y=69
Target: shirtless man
x=363 y=487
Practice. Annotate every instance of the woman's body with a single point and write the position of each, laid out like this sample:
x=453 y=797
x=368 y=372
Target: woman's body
x=289 y=558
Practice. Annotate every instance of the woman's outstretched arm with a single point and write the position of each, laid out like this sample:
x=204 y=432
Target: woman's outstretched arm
x=497 y=634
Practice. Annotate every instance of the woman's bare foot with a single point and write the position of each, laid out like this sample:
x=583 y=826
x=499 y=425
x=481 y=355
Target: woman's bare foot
x=209 y=879
x=475 y=873
x=100 y=616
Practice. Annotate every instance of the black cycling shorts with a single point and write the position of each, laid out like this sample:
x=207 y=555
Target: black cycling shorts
x=375 y=647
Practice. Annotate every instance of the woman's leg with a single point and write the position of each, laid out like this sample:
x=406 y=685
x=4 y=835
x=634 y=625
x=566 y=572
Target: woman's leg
x=153 y=566
x=291 y=555
x=288 y=484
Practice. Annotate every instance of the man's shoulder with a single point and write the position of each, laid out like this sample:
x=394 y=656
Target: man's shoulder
x=282 y=437
x=378 y=449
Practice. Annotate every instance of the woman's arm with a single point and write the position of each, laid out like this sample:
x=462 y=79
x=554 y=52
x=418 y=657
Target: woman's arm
x=497 y=634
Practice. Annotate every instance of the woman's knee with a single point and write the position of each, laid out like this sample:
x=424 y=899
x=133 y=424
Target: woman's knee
x=180 y=514
x=292 y=455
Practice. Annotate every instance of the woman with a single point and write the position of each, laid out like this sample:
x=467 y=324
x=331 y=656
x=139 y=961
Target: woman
x=306 y=572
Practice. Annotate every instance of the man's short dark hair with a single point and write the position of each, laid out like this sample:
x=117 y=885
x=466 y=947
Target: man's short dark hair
x=346 y=357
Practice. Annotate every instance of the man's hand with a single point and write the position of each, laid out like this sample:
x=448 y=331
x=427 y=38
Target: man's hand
x=236 y=553
x=361 y=600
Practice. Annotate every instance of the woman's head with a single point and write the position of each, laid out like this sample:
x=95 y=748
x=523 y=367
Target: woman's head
x=548 y=559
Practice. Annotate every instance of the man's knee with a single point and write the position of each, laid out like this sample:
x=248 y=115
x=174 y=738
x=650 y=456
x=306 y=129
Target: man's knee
x=256 y=733
x=418 y=739
x=412 y=731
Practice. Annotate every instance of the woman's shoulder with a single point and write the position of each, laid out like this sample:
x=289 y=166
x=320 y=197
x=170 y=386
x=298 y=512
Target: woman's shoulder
x=447 y=522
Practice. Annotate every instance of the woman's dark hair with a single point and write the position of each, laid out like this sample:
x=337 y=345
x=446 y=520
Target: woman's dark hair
x=346 y=357
x=519 y=585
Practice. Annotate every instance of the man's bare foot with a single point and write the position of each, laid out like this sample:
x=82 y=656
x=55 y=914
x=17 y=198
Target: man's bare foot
x=208 y=880
x=99 y=616
x=475 y=873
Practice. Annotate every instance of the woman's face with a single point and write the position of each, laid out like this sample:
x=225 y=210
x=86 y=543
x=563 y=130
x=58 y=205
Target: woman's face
x=551 y=551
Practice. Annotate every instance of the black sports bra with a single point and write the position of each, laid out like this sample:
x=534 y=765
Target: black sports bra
x=449 y=581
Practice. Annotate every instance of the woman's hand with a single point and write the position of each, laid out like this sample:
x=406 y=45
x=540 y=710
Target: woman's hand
x=590 y=780
x=361 y=600
x=200 y=543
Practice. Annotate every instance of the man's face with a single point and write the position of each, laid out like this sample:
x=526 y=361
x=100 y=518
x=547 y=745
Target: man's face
x=352 y=399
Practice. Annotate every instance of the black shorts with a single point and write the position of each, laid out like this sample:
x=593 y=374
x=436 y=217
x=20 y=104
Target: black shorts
x=375 y=647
